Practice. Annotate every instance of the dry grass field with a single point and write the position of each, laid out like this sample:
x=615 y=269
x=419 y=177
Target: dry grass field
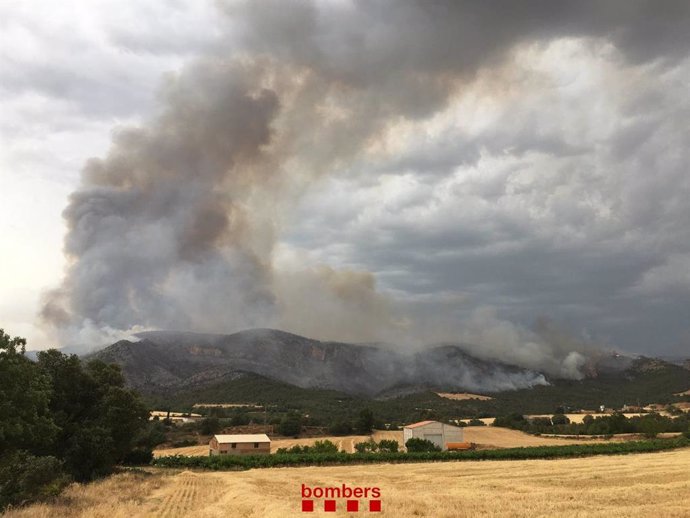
x=656 y=484
x=482 y=436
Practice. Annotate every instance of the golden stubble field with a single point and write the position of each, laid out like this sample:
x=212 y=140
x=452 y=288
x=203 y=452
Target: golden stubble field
x=654 y=484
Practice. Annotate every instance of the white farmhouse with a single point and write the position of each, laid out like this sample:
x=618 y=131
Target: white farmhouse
x=440 y=434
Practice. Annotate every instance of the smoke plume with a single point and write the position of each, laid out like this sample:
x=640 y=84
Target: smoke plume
x=177 y=226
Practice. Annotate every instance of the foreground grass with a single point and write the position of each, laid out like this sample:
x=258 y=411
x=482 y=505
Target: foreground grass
x=231 y=462
x=637 y=485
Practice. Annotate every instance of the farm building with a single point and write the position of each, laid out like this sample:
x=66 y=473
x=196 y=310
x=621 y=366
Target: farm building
x=242 y=444
x=440 y=434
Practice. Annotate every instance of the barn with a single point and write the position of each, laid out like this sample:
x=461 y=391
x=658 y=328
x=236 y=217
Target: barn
x=440 y=434
x=241 y=444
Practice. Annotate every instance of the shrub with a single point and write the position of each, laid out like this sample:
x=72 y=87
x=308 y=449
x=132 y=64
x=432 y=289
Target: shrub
x=210 y=426
x=367 y=446
x=26 y=478
x=476 y=422
x=138 y=456
x=388 y=446
x=420 y=445
x=516 y=421
x=239 y=419
x=365 y=422
x=558 y=419
x=319 y=447
x=324 y=447
x=290 y=425
x=340 y=428
x=183 y=443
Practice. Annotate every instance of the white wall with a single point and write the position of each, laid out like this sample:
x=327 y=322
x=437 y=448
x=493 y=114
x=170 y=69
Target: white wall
x=438 y=433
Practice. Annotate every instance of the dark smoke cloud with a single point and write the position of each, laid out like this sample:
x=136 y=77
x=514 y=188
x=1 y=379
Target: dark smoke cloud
x=177 y=226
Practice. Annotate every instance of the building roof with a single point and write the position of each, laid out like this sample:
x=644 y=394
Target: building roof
x=424 y=423
x=420 y=423
x=245 y=437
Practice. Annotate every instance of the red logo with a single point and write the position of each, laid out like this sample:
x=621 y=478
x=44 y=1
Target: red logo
x=333 y=496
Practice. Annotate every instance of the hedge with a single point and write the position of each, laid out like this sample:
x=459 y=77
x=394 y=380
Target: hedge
x=231 y=462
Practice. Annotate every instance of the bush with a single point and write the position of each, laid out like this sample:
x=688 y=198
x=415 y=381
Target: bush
x=26 y=478
x=476 y=422
x=324 y=447
x=319 y=447
x=367 y=446
x=340 y=428
x=388 y=446
x=239 y=419
x=365 y=422
x=210 y=426
x=183 y=443
x=290 y=425
x=559 y=419
x=137 y=457
x=420 y=445
x=515 y=421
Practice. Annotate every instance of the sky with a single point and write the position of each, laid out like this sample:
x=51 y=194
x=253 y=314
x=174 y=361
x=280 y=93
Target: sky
x=512 y=176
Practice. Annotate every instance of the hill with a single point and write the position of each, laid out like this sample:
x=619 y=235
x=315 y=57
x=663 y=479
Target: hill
x=331 y=380
x=165 y=361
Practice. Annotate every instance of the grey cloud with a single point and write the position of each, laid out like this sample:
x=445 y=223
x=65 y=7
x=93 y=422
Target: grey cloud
x=179 y=224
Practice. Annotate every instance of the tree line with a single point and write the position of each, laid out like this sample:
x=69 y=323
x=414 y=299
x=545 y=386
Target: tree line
x=650 y=425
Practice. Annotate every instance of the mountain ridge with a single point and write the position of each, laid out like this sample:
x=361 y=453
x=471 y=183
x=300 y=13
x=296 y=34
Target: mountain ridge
x=164 y=360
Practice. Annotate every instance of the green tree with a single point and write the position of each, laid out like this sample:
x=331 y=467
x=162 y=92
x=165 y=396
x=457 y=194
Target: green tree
x=650 y=426
x=340 y=427
x=239 y=419
x=26 y=425
x=210 y=426
x=559 y=419
x=25 y=419
x=99 y=419
x=365 y=422
x=90 y=453
x=291 y=424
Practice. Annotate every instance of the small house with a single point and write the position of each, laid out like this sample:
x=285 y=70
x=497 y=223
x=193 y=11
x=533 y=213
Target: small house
x=440 y=434
x=241 y=444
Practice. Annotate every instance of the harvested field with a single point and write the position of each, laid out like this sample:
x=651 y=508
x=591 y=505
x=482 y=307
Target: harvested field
x=608 y=486
x=462 y=396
